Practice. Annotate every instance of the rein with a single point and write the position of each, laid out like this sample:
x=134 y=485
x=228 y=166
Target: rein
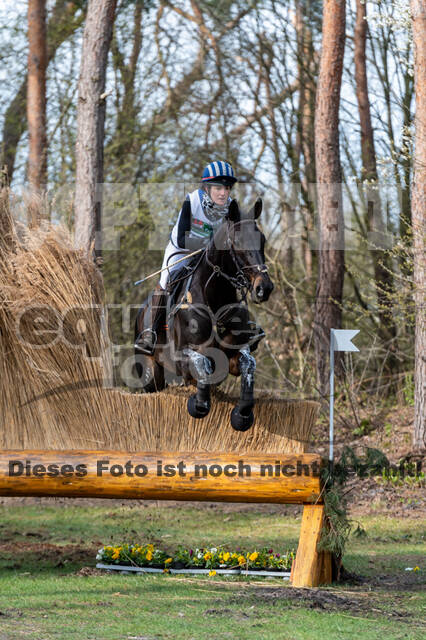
x=191 y=270
x=240 y=281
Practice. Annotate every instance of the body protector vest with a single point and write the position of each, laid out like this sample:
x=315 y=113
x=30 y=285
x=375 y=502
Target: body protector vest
x=202 y=227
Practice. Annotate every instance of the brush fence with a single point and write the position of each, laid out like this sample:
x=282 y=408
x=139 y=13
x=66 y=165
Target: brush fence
x=255 y=478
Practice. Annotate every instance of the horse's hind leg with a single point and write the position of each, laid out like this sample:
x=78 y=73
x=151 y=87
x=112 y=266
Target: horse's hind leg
x=151 y=373
x=199 y=403
x=242 y=416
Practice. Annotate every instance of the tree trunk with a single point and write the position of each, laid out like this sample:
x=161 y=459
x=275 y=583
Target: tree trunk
x=125 y=140
x=328 y=310
x=36 y=94
x=418 y=217
x=286 y=212
x=306 y=63
x=306 y=72
x=60 y=26
x=374 y=218
x=91 y=122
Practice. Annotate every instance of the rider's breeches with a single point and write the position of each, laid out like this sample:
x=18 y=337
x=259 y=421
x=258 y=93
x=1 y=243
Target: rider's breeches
x=171 y=254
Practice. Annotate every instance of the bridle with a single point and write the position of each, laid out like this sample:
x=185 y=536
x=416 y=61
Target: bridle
x=240 y=281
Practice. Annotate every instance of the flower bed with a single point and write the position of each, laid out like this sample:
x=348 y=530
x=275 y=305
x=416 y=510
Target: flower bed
x=147 y=558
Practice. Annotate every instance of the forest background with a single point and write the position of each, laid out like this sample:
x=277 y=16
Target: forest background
x=312 y=103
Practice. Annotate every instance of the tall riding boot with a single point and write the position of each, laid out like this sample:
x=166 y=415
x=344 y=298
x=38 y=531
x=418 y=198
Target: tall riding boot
x=147 y=339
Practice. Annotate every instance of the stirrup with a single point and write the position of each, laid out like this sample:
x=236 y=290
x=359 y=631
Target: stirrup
x=146 y=342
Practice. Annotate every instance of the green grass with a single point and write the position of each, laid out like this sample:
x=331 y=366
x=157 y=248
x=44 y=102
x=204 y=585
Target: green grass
x=42 y=595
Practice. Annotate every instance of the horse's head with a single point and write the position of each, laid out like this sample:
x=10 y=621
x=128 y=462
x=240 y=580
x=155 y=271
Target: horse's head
x=245 y=243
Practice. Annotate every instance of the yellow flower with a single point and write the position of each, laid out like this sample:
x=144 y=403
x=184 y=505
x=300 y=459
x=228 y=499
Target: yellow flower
x=168 y=561
x=150 y=547
x=226 y=556
x=253 y=556
x=115 y=555
x=416 y=569
x=207 y=555
x=234 y=556
x=241 y=560
x=149 y=556
x=212 y=573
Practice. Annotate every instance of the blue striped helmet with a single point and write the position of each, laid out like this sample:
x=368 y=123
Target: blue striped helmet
x=220 y=172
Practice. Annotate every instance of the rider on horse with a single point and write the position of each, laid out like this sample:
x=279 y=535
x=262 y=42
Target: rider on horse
x=201 y=214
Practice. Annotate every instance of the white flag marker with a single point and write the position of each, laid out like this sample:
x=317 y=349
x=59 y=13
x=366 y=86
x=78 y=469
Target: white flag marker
x=340 y=340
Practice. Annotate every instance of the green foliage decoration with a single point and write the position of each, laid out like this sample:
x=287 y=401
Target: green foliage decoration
x=338 y=526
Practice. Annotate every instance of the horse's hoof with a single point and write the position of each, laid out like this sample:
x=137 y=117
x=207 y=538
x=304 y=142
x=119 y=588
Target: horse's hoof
x=240 y=422
x=197 y=410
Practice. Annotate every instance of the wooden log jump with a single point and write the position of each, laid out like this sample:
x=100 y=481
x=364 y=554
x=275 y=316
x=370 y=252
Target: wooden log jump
x=162 y=476
x=268 y=478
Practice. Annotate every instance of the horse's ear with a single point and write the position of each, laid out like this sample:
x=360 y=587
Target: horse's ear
x=234 y=211
x=257 y=209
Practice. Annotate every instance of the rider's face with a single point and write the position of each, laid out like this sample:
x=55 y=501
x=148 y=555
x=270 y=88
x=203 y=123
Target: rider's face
x=219 y=193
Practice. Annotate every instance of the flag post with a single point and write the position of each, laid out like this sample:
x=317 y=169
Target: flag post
x=331 y=430
x=340 y=340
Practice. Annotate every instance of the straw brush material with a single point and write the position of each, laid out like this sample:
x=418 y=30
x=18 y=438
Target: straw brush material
x=53 y=397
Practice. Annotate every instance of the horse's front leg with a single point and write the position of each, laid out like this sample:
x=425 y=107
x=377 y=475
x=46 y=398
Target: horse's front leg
x=201 y=368
x=242 y=416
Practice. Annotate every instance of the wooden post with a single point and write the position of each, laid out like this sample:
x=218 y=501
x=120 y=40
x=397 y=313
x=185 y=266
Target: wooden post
x=311 y=567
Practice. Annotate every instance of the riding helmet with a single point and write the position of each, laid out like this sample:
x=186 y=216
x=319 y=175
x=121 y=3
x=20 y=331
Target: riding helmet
x=219 y=172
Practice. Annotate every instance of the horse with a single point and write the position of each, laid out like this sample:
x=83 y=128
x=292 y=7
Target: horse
x=208 y=331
